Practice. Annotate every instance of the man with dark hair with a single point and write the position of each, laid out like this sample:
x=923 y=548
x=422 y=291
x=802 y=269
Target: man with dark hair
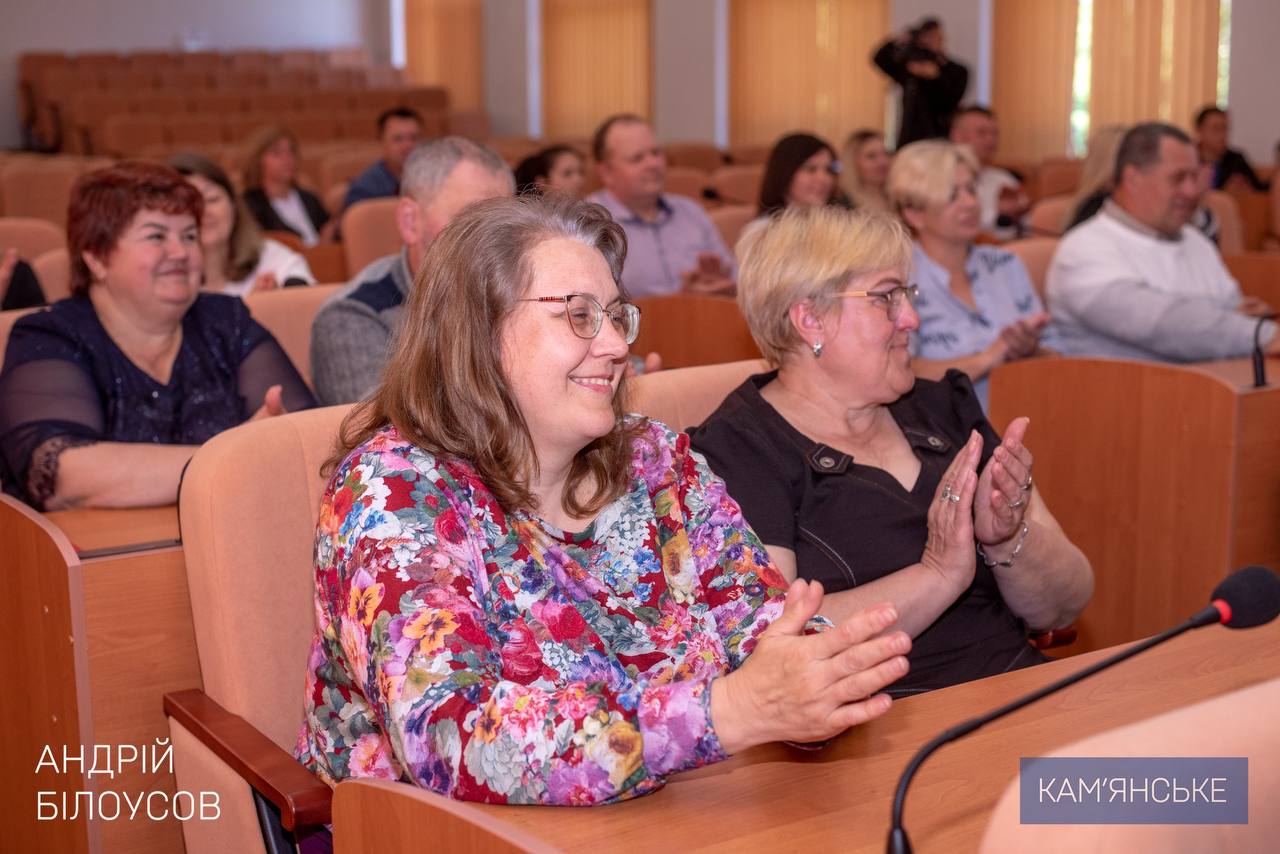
x=1137 y=281
x=672 y=245
x=399 y=130
x=1002 y=201
x=1231 y=171
x=932 y=83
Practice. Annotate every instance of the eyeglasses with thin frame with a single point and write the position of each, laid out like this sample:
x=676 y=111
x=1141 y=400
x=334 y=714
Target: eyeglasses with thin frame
x=893 y=299
x=585 y=315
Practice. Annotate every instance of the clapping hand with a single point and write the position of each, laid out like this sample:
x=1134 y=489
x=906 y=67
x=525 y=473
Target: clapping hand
x=805 y=688
x=1004 y=488
x=1022 y=337
x=948 y=549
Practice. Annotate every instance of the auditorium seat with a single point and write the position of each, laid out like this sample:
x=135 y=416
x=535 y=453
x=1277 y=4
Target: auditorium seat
x=685 y=181
x=1255 y=215
x=690 y=329
x=1240 y=723
x=40 y=188
x=1036 y=254
x=426 y=98
x=273 y=102
x=128 y=135
x=86 y=115
x=369 y=232
x=248 y=544
x=216 y=104
x=514 y=149
x=729 y=220
x=473 y=124
x=694 y=155
x=1230 y=226
x=749 y=155
x=170 y=104
x=287 y=314
x=53 y=269
x=335 y=101
x=327 y=261
x=198 y=131
x=684 y=397
x=335 y=196
x=1045 y=219
x=1258 y=274
x=1058 y=175
x=31 y=237
x=738 y=185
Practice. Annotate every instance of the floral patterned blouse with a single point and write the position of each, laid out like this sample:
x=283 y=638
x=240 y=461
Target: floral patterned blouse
x=490 y=657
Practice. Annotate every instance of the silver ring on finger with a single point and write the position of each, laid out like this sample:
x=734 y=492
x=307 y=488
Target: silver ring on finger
x=1021 y=502
x=1026 y=487
x=946 y=492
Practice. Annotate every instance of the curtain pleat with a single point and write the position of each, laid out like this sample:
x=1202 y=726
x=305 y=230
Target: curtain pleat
x=1033 y=58
x=444 y=46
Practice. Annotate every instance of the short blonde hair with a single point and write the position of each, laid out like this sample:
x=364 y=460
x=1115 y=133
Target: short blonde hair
x=810 y=254
x=923 y=173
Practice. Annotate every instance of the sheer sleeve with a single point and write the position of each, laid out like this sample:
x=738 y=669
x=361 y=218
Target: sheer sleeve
x=46 y=406
x=267 y=365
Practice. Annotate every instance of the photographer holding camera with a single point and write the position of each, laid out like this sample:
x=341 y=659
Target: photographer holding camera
x=932 y=84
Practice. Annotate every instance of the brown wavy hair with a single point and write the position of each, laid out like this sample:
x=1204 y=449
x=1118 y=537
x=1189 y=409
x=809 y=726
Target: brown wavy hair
x=444 y=389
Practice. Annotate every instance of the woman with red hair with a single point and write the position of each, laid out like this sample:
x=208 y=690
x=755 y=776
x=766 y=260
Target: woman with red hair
x=105 y=396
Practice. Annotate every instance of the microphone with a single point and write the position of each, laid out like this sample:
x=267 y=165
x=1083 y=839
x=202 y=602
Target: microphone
x=1248 y=597
x=1259 y=357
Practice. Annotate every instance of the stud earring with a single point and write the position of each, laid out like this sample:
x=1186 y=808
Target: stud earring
x=817 y=349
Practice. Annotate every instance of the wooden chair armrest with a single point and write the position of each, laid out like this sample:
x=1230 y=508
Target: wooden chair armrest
x=302 y=798
x=375 y=816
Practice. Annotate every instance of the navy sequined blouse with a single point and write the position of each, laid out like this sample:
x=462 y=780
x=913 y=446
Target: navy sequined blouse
x=65 y=383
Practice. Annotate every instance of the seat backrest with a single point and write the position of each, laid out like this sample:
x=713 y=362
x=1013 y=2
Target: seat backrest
x=369 y=232
x=1047 y=215
x=287 y=314
x=1036 y=253
x=685 y=181
x=53 y=269
x=39 y=190
x=684 y=397
x=738 y=185
x=694 y=155
x=1230 y=226
x=247 y=538
x=1258 y=274
x=730 y=220
x=688 y=330
x=1058 y=176
x=30 y=236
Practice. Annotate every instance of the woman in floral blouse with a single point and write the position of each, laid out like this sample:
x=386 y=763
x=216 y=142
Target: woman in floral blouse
x=522 y=595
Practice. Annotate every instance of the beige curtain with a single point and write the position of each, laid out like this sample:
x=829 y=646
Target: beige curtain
x=804 y=65
x=1032 y=64
x=596 y=58
x=1153 y=59
x=444 y=46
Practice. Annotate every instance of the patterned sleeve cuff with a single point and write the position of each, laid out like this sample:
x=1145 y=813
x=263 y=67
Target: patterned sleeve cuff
x=675 y=723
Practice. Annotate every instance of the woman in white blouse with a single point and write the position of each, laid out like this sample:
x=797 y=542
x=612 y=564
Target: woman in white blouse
x=237 y=258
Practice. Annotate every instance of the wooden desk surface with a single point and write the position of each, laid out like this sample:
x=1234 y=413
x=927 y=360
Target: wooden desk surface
x=1238 y=373
x=89 y=530
x=775 y=798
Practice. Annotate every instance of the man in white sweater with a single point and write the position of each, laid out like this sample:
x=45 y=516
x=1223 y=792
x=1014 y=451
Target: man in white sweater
x=1137 y=282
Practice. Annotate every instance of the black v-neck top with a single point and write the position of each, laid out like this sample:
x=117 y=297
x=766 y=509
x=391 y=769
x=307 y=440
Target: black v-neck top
x=851 y=524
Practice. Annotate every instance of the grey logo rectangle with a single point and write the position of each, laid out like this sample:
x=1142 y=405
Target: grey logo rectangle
x=1134 y=790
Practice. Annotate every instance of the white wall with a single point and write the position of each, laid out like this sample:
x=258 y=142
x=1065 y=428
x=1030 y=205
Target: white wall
x=512 y=67
x=1252 y=98
x=123 y=25
x=963 y=22
x=685 y=68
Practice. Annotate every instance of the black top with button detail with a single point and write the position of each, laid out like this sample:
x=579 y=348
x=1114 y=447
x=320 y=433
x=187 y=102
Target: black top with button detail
x=851 y=524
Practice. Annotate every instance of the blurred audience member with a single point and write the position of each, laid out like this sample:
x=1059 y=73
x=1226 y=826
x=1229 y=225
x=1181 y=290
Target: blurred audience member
x=864 y=171
x=1001 y=198
x=271 y=191
x=932 y=83
x=19 y=287
x=105 y=396
x=672 y=244
x=977 y=306
x=801 y=170
x=399 y=130
x=1096 y=176
x=1231 y=171
x=1137 y=281
x=557 y=169
x=353 y=329
x=237 y=258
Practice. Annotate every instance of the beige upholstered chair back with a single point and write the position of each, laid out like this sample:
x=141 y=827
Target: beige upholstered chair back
x=1230 y=225
x=53 y=269
x=248 y=506
x=692 y=329
x=1036 y=253
x=1047 y=215
x=30 y=236
x=684 y=397
x=738 y=185
x=730 y=220
x=687 y=181
x=369 y=232
x=287 y=314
